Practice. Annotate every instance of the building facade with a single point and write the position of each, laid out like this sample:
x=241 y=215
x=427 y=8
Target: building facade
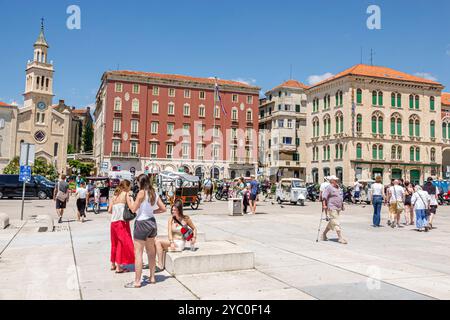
x=155 y=122
x=445 y=116
x=38 y=121
x=8 y=129
x=80 y=120
x=369 y=120
x=282 y=129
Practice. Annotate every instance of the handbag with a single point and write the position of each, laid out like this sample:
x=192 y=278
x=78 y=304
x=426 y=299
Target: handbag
x=400 y=204
x=427 y=210
x=128 y=215
x=186 y=231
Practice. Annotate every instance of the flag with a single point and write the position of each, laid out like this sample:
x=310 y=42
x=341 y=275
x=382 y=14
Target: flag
x=217 y=93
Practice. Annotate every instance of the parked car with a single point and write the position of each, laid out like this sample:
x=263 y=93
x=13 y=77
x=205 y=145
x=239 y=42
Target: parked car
x=39 y=186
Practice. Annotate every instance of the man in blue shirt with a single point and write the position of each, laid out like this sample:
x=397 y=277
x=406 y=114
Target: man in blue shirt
x=254 y=186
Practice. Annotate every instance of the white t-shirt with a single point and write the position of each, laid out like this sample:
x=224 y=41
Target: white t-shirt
x=82 y=192
x=146 y=209
x=396 y=193
x=357 y=186
x=377 y=189
x=324 y=185
x=420 y=202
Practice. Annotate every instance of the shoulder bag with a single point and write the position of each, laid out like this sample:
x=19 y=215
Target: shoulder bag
x=400 y=204
x=61 y=196
x=128 y=215
x=186 y=231
x=427 y=208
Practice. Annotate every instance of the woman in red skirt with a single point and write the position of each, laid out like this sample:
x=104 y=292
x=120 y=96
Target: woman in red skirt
x=122 y=248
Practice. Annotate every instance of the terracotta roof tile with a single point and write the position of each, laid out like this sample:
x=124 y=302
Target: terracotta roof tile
x=378 y=72
x=291 y=84
x=2 y=104
x=80 y=111
x=183 y=78
x=445 y=98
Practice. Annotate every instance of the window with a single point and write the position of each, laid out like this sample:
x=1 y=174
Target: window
x=327 y=125
x=55 y=149
x=380 y=98
x=135 y=106
x=417 y=154
x=316 y=102
x=377 y=98
x=201 y=130
x=396 y=152
x=316 y=129
x=171 y=108
x=377 y=152
x=116 y=146
x=297 y=108
x=432 y=103
x=134 y=147
x=432 y=129
x=396 y=100
x=234 y=135
x=186 y=150
x=249 y=99
x=200 y=151
x=171 y=92
x=134 y=126
x=326 y=102
x=249 y=115
x=339 y=151
x=217 y=112
x=170 y=128
x=287 y=140
x=399 y=100
x=358 y=151
x=414 y=126
x=154 y=127
x=445 y=130
x=117 y=125
x=155 y=107
x=156 y=91
x=234 y=114
x=234 y=98
x=339 y=98
x=186 y=110
x=187 y=93
x=119 y=87
x=202 y=95
x=374 y=98
x=417 y=102
x=414 y=154
x=153 y=150
x=377 y=123
x=201 y=111
x=136 y=88
x=117 y=104
x=433 y=154
x=339 y=122
x=281 y=123
x=186 y=129
x=289 y=123
x=249 y=134
x=396 y=125
x=359 y=96
x=169 y=151
x=359 y=123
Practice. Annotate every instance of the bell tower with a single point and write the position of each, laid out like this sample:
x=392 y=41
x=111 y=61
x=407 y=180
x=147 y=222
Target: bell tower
x=39 y=80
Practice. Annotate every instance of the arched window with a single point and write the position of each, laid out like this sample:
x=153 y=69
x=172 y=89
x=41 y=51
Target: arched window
x=414 y=126
x=411 y=101
x=327 y=125
x=380 y=98
x=417 y=102
x=339 y=117
x=358 y=151
x=411 y=154
x=377 y=123
x=396 y=152
x=396 y=124
x=433 y=154
x=55 y=149
x=432 y=129
x=359 y=123
x=359 y=96
x=316 y=127
x=393 y=99
x=399 y=100
x=432 y=103
x=374 y=98
x=377 y=152
x=417 y=153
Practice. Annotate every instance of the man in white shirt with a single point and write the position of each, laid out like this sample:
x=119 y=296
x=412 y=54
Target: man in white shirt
x=396 y=198
x=323 y=186
x=357 y=188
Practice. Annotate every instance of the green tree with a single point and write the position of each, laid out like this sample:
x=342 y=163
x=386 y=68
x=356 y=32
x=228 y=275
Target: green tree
x=13 y=167
x=84 y=167
x=88 y=137
x=70 y=149
x=41 y=167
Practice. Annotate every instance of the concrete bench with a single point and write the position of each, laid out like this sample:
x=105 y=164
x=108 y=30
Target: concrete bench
x=4 y=221
x=210 y=256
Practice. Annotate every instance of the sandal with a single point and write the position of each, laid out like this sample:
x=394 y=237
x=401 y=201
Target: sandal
x=147 y=280
x=342 y=241
x=158 y=269
x=131 y=285
x=122 y=271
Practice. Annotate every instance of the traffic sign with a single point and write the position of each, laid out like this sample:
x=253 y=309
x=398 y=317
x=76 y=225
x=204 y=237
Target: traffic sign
x=133 y=170
x=25 y=174
x=27 y=151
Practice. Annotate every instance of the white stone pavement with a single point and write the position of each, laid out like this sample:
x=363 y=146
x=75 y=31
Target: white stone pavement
x=384 y=263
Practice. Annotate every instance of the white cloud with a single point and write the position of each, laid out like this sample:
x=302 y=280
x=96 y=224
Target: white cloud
x=426 y=75
x=318 y=78
x=248 y=81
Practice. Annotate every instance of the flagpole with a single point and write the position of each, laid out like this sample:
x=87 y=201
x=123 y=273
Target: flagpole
x=214 y=129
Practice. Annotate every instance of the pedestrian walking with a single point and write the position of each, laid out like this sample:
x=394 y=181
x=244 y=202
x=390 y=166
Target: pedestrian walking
x=146 y=205
x=433 y=192
x=122 y=248
x=333 y=204
x=323 y=186
x=378 y=196
x=254 y=188
x=409 y=211
x=61 y=196
x=246 y=198
x=421 y=202
x=357 y=188
x=396 y=198
x=82 y=197
x=208 y=187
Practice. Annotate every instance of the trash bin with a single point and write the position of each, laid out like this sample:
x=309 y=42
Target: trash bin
x=235 y=206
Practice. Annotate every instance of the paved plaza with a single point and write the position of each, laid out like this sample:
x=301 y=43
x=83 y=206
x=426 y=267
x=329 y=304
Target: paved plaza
x=73 y=261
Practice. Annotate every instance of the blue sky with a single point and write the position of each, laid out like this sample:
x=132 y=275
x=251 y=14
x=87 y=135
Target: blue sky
x=254 y=41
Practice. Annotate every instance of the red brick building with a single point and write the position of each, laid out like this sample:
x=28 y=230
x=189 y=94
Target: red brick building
x=155 y=122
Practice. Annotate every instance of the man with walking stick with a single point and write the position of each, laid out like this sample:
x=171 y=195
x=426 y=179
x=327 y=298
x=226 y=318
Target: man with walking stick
x=333 y=205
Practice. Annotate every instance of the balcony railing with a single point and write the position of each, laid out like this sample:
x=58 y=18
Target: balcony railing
x=115 y=154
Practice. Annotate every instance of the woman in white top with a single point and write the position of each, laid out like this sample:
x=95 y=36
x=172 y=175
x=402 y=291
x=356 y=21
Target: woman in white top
x=82 y=197
x=122 y=248
x=147 y=204
x=377 y=200
x=421 y=202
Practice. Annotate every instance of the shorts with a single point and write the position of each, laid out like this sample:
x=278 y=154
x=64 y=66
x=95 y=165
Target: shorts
x=145 y=229
x=433 y=209
x=357 y=194
x=208 y=190
x=179 y=245
x=334 y=223
x=81 y=206
x=253 y=197
x=393 y=209
x=60 y=204
x=408 y=201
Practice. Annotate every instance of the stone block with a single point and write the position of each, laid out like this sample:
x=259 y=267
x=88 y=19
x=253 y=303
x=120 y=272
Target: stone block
x=4 y=221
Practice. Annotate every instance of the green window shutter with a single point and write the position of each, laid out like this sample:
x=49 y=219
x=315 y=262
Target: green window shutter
x=297 y=141
x=399 y=127
x=337 y=152
x=392 y=125
x=411 y=154
x=337 y=99
x=444 y=131
x=417 y=154
x=359 y=122
x=417 y=102
x=432 y=103
x=358 y=151
x=337 y=125
x=374 y=125
x=393 y=100
x=432 y=129
x=341 y=98
x=380 y=125
x=374 y=98
x=411 y=102
x=380 y=153
x=399 y=100
x=380 y=98
x=342 y=124
x=359 y=96
x=411 y=128
x=417 y=126
x=328 y=153
x=374 y=152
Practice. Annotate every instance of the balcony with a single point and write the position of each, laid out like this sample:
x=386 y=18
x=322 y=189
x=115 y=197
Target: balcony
x=287 y=147
x=124 y=155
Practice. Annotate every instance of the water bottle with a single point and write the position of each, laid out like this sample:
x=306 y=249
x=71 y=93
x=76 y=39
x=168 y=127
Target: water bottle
x=192 y=246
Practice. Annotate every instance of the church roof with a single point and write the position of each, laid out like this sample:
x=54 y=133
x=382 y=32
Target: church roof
x=445 y=99
x=41 y=38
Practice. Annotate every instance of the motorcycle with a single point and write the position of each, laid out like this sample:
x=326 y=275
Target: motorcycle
x=223 y=191
x=348 y=197
x=312 y=194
